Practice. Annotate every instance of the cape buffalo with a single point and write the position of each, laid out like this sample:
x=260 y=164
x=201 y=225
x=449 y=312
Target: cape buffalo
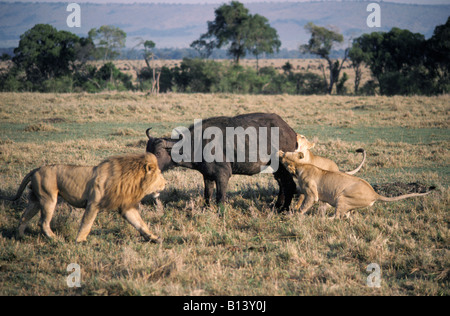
x=235 y=154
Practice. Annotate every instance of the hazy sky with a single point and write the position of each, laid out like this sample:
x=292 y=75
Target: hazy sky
x=221 y=1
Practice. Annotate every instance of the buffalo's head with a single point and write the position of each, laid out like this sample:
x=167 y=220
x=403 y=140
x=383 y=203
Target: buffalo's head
x=161 y=148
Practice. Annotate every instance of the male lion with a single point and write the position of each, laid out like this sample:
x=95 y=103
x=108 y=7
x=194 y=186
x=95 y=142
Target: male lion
x=343 y=191
x=118 y=183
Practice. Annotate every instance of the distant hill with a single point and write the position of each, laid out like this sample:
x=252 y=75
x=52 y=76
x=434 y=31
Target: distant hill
x=177 y=25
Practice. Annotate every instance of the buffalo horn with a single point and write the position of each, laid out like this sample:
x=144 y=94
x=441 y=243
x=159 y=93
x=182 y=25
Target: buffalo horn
x=147 y=132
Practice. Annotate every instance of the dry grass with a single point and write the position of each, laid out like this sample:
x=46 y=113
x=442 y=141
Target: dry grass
x=339 y=111
x=243 y=248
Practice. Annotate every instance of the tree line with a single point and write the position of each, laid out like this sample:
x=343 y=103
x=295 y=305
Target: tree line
x=401 y=62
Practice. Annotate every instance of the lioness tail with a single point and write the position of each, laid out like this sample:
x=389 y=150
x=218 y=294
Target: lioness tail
x=22 y=187
x=401 y=197
x=359 y=150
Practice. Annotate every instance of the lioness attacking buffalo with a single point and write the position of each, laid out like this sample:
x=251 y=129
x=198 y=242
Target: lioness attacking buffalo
x=118 y=183
x=217 y=147
x=343 y=191
x=219 y=171
x=304 y=146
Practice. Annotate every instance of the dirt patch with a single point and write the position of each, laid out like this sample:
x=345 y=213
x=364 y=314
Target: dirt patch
x=399 y=188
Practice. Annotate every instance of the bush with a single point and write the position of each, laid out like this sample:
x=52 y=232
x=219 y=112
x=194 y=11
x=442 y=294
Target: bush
x=369 y=88
x=57 y=85
x=89 y=79
x=108 y=76
x=340 y=86
x=10 y=82
x=196 y=75
x=237 y=79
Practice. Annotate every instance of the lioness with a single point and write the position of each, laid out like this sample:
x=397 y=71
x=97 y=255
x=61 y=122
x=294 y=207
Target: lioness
x=304 y=146
x=343 y=191
x=118 y=183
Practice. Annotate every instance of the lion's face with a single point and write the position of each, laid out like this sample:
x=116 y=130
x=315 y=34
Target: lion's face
x=303 y=144
x=153 y=181
x=290 y=160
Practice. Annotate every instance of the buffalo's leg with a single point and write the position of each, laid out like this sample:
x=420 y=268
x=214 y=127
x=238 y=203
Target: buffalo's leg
x=287 y=188
x=209 y=189
x=280 y=198
x=222 y=185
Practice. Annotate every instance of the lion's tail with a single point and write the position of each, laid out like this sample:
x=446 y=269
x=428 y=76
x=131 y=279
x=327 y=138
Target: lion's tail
x=401 y=197
x=360 y=150
x=22 y=187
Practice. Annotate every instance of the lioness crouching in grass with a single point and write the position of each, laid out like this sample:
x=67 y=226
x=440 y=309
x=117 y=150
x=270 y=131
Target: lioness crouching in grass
x=118 y=183
x=343 y=191
x=304 y=146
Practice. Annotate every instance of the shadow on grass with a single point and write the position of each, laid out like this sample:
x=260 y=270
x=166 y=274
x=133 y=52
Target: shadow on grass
x=259 y=196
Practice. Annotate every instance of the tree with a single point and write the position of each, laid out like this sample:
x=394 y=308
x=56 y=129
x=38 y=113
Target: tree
x=45 y=53
x=438 y=57
x=321 y=43
x=203 y=47
x=240 y=31
x=108 y=40
x=5 y=57
x=262 y=38
x=149 y=58
x=287 y=68
x=356 y=55
x=396 y=58
x=231 y=27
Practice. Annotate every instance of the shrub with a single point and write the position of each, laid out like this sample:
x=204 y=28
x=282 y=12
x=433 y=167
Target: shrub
x=369 y=88
x=57 y=85
x=196 y=75
x=10 y=82
x=340 y=86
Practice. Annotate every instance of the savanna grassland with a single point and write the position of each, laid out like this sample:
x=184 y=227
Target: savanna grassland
x=244 y=247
